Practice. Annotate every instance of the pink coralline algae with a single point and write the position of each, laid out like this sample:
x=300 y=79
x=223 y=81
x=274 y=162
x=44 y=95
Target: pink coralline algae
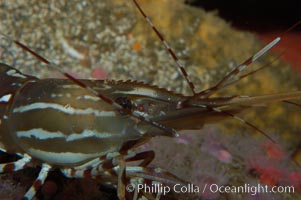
x=99 y=73
x=213 y=146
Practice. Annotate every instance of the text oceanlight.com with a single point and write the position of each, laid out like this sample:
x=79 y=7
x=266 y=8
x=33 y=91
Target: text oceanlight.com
x=213 y=188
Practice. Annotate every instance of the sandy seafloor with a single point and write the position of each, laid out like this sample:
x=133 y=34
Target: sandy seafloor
x=113 y=40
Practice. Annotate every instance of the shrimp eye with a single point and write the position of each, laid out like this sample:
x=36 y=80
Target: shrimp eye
x=125 y=103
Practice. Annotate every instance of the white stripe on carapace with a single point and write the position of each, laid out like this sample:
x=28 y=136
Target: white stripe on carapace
x=99 y=87
x=89 y=134
x=139 y=91
x=56 y=95
x=63 y=158
x=88 y=97
x=70 y=86
x=14 y=73
x=15 y=84
x=2 y=148
x=65 y=109
x=42 y=134
x=5 y=98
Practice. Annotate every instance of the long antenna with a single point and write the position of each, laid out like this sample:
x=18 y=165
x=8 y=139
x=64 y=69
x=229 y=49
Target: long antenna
x=168 y=48
x=208 y=92
x=238 y=69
